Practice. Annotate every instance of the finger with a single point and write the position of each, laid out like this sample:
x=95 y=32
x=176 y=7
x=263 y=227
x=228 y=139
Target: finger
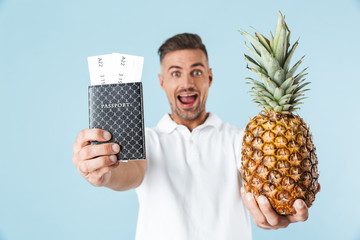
x=85 y=136
x=271 y=216
x=302 y=212
x=101 y=171
x=96 y=163
x=91 y=151
x=98 y=176
x=254 y=209
x=75 y=159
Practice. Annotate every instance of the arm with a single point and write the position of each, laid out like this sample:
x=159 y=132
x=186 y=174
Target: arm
x=98 y=163
x=265 y=217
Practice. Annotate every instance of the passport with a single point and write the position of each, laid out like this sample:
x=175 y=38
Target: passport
x=119 y=109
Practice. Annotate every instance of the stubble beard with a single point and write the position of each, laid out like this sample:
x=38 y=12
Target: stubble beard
x=190 y=114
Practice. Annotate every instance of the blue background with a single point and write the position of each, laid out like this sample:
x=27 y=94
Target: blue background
x=44 y=47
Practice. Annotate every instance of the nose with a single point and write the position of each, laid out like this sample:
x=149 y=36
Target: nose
x=188 y=81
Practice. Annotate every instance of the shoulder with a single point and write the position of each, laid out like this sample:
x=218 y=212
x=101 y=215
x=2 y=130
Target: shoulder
x=151 y=133
x=229 y=129
x=153 y=136
x=231 y=134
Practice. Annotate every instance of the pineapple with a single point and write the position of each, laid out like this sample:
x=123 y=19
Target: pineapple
x=278 y=155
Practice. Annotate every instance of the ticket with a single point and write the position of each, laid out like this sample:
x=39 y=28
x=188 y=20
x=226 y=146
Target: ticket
x=115 y=68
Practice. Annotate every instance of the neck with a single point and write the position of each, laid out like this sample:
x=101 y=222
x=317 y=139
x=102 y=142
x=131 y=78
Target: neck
x=190 y=124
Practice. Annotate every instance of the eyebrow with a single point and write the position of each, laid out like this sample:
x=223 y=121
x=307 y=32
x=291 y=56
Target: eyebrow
x=174 y=66
x=192 y=66
x=197 y=64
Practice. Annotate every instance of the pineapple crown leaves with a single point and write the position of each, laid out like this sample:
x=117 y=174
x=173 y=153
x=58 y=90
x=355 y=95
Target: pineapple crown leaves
x=277 y=89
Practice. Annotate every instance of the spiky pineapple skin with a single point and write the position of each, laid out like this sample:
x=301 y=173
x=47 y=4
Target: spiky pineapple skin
x=279 y=160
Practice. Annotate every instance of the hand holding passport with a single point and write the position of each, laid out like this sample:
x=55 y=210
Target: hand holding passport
x=115 y=102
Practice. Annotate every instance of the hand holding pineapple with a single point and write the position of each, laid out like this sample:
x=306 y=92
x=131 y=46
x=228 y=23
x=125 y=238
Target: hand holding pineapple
x=264 y=215
x=279 y=162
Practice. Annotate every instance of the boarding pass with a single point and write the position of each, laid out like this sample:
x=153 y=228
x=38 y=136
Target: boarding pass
x=115 y=68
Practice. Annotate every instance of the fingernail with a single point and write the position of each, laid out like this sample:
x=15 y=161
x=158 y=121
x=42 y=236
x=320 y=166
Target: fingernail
x=299 y=204
x=113 y=158
x=261 y=200
x=249 y=196
x=116 y=147
x=107 y=135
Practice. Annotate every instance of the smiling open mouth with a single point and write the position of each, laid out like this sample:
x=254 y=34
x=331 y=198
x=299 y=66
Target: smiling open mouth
x=187 y=99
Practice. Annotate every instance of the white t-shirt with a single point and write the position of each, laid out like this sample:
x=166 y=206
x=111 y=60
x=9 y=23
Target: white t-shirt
x=191 y=188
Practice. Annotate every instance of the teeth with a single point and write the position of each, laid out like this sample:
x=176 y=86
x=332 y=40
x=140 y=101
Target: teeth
x=187 y=95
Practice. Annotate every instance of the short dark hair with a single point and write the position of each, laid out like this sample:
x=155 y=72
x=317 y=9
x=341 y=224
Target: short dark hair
x=180 y=42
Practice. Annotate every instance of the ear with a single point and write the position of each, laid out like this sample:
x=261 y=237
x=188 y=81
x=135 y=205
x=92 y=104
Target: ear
x=210 y=77
x=161 y=80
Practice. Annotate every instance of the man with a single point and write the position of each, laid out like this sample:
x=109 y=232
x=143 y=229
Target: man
x=190 y=186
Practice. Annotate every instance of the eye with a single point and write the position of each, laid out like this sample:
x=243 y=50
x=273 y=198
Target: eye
x=197 y=73
x=175 y=74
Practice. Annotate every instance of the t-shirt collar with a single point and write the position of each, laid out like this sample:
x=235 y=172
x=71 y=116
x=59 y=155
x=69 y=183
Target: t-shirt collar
x=166 y=124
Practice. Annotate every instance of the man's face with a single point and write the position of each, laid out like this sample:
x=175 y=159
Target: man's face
x=186 y=78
